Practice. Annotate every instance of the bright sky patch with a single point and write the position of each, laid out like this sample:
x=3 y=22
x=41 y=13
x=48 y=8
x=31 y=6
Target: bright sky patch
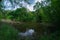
x=30 y=7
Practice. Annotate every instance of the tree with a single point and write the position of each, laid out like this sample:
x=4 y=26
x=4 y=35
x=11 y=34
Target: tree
x=56 y=11
x=37 y=7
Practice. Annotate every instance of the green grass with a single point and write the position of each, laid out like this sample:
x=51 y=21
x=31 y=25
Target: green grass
x=7 y=32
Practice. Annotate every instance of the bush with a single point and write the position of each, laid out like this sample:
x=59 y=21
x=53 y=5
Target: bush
x=7 y=32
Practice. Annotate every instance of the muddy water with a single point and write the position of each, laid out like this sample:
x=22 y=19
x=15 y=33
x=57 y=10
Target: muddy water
x=39 y=28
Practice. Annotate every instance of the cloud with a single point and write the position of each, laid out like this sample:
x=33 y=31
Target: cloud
x=38 y=0
x=30 y=7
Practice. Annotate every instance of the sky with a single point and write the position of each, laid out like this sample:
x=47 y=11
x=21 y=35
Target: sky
x=30 y=7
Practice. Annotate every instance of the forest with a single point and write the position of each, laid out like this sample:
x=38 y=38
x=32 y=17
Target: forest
x=44 y=19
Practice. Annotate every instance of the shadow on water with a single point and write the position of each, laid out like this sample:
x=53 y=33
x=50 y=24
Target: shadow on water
x=41 y=31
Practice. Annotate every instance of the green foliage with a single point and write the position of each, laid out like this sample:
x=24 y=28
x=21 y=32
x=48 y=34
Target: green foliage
x=55 y=5
x=7 y=32
x=37 y=5
x=52 y=36
x=0 y=15
x=50 y=13
x=20 y=14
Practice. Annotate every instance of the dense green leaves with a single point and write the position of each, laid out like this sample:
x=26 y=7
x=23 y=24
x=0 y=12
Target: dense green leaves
x=20 y=14
x=7 y=32
x=48 y=13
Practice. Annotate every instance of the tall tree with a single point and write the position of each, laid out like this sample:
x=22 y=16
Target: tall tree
x=55 y=4
x=37 y=7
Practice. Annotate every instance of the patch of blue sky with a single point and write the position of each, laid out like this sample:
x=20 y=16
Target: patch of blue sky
x=8 y=5
x=31 y=1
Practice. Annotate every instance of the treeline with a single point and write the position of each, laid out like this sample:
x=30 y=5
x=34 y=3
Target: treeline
x=46 y=11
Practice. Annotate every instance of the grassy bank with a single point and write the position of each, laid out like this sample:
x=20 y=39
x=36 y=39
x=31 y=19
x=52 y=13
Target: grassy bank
x=8 y=32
